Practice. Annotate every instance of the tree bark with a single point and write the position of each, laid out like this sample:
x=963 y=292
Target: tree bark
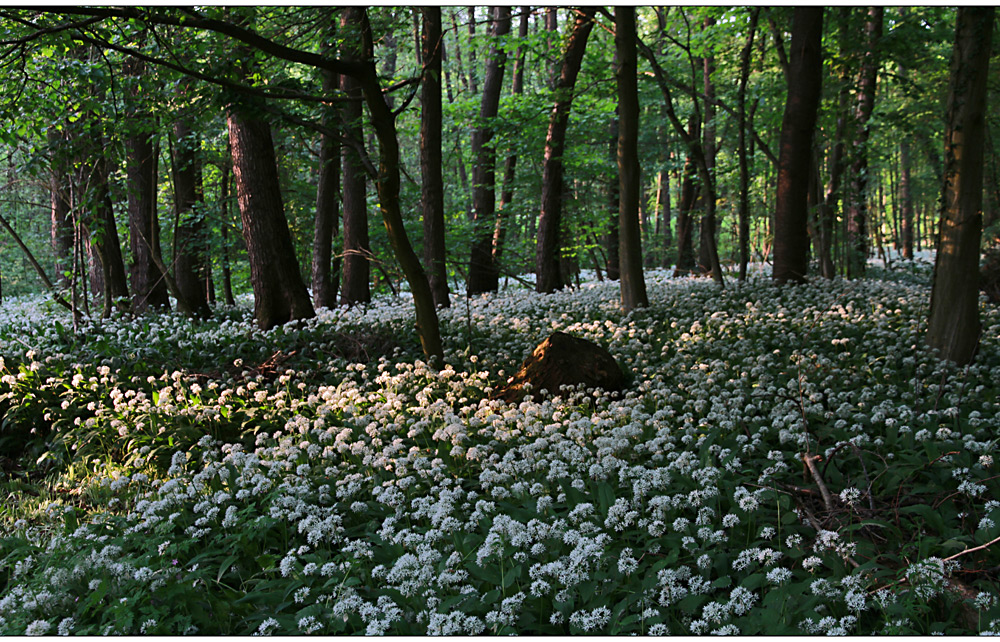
x=633 y=285
x=356 y=268
x=483 y=274
x=857 y=211
x=548 y=277
x=791 y=216
x=689 y=195
x=326 y=268
x=224 y=180
x=954 y=326
x=432 y=188
x=61 y=223
x=613 y=238
x=189 y=241
x=280 y=295
x=741 y=145
x=706 y=238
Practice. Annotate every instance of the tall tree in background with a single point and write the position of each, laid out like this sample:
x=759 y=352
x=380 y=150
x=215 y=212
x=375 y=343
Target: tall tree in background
x=148 y=286
x=857 y=207
x=507 y=190
x=189 y=237
x=325 y=267
x=61 y=234
x=356 y=269
x=741 y=145
x=548 y=277
x=633 y=285
x=432 y=186
x=953 y=327
x=483 y=272
x=791 y=216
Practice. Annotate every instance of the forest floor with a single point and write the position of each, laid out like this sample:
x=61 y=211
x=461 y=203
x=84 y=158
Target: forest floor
x=787 y=460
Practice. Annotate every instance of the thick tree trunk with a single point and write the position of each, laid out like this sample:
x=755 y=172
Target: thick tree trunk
x=857 y=211
x=384 y=125
x=280 y=295
x=325 y=268
x=791 y=216
x=483 y=273
x=432 y=188
x=356 y=268
x=954 y=326
x=108 y=276
x=548 y=277
x=633 y=285
x=189 y=241
x=741 y=145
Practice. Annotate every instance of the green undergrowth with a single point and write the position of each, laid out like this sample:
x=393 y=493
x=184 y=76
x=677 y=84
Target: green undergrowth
x=787 y=461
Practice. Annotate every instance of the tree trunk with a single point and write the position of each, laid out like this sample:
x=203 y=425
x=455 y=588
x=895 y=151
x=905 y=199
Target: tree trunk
x=613 y=238
x=326 y=268
x=483 y=274
x=741 y=146
x=906 y=195
x=357 y=272
x=189 y=240
x=548 y=276
x=432 y=188
x=791 y=216
x=857 y=207
x=707 y=242
x=62 y=224
x=507 y=191
x=954 y=325
x=227 y=277
x=280 y=295
x=108 y=275
x=689 y=195
x=633 y=285
x=384 y=125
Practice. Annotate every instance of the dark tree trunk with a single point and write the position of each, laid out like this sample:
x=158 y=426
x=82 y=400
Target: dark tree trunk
x=689 y=195
x=707 y=242
x=189 y=241
x=613 y=239
x=356 y=269
x=432 y=189
x=791 y=216
x=227 y=277
x=326 y=268
x=280 y=295
x=857 y=211
x=61 y=222
x=483 y=273
x=633 y=285
x=548 y=245
x=108 y=275
x=741 y=146
x=384 y=125
x=954 y=327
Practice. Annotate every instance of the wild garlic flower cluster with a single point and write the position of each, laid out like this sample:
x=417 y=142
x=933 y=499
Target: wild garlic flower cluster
x=390 y=498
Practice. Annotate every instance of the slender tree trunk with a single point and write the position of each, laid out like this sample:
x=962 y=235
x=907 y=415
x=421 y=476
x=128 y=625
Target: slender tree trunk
x=189 y=242
x=548 y=244
x=227 y=277
x=356 y=269
x=432 y=189
x=689 y=195
x=61 y=223
x=507 y=191
x=857 y=208
x=483 y=274
x=633 y=285
x=791 y=239
x=613 y=237
x=707 y=242
x=906 y=195
x=954 y=327
x=108 y=275
x=384 y=124
x=326 y=268
x=741 y=145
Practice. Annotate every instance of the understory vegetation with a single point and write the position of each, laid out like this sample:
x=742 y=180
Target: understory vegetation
x=787 y=460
